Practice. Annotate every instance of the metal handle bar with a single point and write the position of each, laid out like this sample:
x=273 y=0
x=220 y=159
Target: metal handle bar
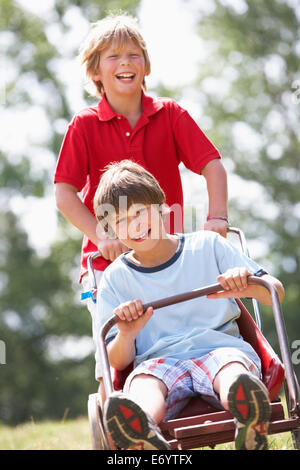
x=91 y=272
x=278 y=318
x=245 y=250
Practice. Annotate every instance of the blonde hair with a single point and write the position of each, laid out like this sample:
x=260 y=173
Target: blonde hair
x=131 y=180
x=115 y=27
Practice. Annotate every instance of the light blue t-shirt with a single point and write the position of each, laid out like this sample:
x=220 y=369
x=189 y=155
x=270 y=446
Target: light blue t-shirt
x=188 y=329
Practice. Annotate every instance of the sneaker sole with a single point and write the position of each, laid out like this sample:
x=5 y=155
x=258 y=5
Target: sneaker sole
x=248 y=401
x=128 y=426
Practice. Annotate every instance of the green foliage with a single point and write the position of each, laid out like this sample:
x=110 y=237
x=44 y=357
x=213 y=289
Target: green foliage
x=254 y=61
x=39 y=304
x=17 y=179
x=39 y=297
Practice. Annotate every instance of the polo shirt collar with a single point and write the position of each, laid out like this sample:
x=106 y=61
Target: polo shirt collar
x=150 y=106
x=105 y=113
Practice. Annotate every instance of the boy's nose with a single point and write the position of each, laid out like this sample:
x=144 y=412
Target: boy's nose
x=125 y=59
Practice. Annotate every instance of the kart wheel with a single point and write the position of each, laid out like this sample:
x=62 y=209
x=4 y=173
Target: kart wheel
x=99 y=441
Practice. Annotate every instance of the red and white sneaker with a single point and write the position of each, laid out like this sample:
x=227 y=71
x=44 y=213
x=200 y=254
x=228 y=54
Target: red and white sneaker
x=248 y=401
x=130 y=427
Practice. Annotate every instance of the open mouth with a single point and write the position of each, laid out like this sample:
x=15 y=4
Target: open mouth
x=125 y=77
x=143 y=237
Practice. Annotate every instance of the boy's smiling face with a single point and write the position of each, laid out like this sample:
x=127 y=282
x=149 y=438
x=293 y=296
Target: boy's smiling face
x=139 y=227
x=122 y=70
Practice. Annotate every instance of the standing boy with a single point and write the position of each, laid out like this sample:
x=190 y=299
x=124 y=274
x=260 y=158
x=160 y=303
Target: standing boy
x=156 y=133
x=180 y=350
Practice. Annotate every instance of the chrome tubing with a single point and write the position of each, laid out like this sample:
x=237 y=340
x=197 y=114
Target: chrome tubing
x=91 y=272
x=245 y=251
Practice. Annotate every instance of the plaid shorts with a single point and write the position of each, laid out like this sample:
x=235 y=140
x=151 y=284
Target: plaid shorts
x=185 y=379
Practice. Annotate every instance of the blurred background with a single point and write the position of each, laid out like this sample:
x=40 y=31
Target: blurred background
x=235 y=65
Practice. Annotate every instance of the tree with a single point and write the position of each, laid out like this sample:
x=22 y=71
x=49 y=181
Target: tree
x=39 y=298
x=248 y=92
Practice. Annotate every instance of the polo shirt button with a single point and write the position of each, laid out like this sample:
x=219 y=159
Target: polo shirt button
x=119 y=117
x=128 y=134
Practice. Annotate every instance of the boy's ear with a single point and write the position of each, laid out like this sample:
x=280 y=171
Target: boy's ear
x=147 y=71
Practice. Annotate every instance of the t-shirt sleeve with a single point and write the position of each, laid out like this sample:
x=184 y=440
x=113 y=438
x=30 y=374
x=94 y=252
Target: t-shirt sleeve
x=72 y=165
x=194 y=148
x=229 y=256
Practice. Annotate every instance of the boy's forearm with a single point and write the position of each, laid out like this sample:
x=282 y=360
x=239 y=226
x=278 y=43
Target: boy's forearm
x=121 y=351
x=75 y=211
x=262 y=294
x=234 y=289
x=216 y=181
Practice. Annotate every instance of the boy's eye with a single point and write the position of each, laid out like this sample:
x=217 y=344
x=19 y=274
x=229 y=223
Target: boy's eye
x=140 y=212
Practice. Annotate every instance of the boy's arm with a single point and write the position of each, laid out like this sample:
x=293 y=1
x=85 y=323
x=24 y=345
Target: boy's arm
x=121 y=350
x=216 y=181
x=77 y=213
x=235 y=285
x=262 y=294
x=68 y=202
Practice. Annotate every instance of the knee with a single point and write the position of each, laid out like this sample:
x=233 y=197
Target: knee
x=224 y=379
x=146 y=383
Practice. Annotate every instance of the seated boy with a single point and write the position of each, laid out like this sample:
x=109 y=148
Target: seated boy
x=181 y=350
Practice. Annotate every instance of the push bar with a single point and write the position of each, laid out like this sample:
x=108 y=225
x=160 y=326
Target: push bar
x=245 y=250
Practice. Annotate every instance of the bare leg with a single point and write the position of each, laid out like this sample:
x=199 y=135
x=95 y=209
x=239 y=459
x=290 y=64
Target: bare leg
x=247 y=398
x=149 y=393
x=225 y=378
x=131 y=417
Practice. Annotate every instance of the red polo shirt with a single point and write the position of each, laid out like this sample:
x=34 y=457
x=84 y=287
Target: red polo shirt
x=164 y=136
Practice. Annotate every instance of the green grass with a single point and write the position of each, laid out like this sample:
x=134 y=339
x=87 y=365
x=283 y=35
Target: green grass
x=48 y=435
x=276 y=442
x=75 y=435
